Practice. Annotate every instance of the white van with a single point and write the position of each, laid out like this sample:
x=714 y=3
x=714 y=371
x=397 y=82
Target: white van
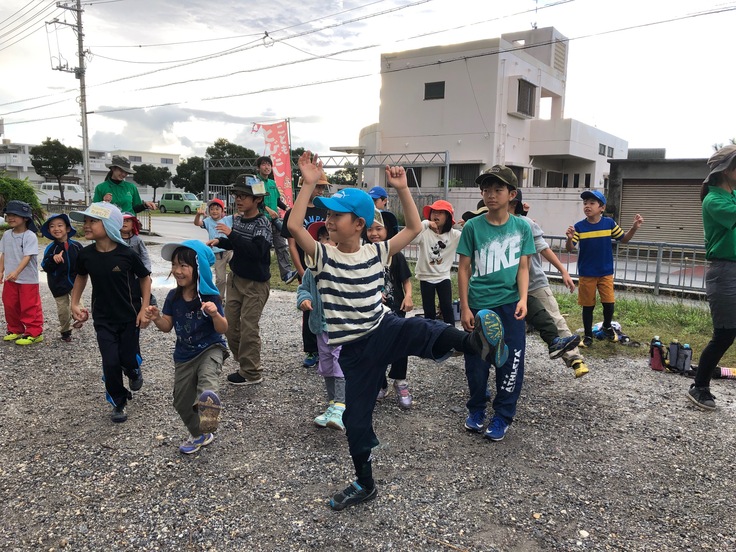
x=49 y=192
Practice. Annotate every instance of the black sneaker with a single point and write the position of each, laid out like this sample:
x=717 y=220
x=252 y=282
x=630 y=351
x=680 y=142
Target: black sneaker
x=119 y=415
x=586 y=342
x=66 y=337
x=561 y=345
x=290 y=276
x=610 y=334
x=355 y=493
x=137 y=383
x=702 y=397
x=236 y=379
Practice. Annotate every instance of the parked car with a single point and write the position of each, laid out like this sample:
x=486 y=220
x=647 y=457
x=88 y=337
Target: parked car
x=178 y=202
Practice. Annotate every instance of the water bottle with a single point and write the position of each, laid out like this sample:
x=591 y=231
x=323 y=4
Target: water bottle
x=656 y=354
x=673 y=351
x=684 y=358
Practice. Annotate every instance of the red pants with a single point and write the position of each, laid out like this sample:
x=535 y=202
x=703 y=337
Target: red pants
x=23 y=312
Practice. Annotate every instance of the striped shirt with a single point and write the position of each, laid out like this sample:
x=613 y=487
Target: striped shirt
x=594 y=243
x=350 y=287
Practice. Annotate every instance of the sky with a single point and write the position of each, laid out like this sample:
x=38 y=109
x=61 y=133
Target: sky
x=172 y=76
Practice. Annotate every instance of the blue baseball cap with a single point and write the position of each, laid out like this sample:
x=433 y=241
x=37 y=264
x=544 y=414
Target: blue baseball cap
x=377 y=193
x=349 y=200
x=594 y=194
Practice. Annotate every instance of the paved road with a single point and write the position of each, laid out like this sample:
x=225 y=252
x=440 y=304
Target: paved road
x=171 y=228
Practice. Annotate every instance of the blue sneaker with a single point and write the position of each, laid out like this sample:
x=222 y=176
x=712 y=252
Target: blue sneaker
x=489 y=326
x=192 y=445
x=311 y=360
x=475 y=420
x=496 y=429
x=560 y=345
x=354 y=494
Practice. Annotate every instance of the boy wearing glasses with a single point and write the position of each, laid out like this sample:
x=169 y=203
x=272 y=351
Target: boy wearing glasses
x=248 y=282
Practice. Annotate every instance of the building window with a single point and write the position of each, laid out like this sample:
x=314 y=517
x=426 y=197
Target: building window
x=167 y=161
x=554 y=179
x=135 y=159
x=527 y=98
x=576 y=180
x=434 y=90
x=601 y=149
x=536 y=178
x=587 y=180
x=463 y=175
x=610 y=151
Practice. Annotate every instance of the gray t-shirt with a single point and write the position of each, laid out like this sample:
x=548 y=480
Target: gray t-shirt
x=537 y=277
x=16 y=246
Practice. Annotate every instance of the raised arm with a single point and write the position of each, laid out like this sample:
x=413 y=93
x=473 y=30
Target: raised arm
x=396 y=178
x=311 y=168
x=638 y=220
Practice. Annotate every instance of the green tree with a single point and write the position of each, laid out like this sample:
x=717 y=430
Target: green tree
x=155 y=177
x=190 y=175
x=345 y=177
x=54 y=159
x=12 y=188
x=718 y=146
x=224 y=149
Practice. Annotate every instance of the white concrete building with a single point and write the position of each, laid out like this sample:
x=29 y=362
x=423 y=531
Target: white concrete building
x=495 y=101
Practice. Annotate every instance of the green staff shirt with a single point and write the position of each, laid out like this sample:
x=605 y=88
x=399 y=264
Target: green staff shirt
x=719 y=221
x=124 y=194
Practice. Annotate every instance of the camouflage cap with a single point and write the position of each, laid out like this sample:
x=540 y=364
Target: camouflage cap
x=497 y=172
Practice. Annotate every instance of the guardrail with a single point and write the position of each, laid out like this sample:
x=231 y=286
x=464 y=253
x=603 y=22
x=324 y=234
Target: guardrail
x=144 y=216
x=655 y=266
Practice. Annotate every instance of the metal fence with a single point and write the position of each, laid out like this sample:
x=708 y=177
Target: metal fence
x=653 y=266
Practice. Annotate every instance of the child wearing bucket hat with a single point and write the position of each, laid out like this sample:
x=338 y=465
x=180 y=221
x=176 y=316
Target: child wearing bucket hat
x=194 y=310
x=118 y=301
x=437 y=247
x=19 y=276
x=60 y=264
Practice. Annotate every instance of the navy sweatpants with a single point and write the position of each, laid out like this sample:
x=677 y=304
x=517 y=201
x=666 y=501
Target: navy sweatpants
x=118 y=346
x=364 y=364
x=509 y=377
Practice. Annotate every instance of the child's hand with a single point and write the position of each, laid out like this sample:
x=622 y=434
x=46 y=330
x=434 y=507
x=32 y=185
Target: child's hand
x=396 y=177
x=467 y=319
x=570 y=232
x=567 y=280
x=520 y=312
x=311 y=167
x=407 y=305
x=141 y=321
x=151 y=313
x=223 y=228
x=209 y=308
x=305 y=305
x=211 y=243
x=107 y=198
x=79 y=314
x=433 y=226
x=12 y=277
x=59 y=257
x=526 y=207
x=638 y=221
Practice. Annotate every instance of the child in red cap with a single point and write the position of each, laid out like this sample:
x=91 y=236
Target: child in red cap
x=215 y=215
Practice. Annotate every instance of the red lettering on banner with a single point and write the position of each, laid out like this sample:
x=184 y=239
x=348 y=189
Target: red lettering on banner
x=277 y=147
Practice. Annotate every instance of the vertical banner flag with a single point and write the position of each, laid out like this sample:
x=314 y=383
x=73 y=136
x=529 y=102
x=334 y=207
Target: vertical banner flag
x=279 y=149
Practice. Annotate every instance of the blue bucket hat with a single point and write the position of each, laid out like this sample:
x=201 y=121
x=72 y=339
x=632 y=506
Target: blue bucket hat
x=110 y=216
x=594 y=194
x=349 y=200
x=21 y=209
x=205 y=259
x=63 y=216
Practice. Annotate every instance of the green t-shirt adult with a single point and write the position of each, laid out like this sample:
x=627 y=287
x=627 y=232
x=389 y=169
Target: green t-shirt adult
x=719 y=222
x=494 y=253
x=124 y=194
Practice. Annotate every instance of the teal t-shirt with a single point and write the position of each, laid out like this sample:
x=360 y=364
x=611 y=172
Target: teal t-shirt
x=494 y=253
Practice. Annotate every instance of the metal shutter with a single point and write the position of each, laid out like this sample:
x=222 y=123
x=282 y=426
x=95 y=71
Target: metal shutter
x=671 y=210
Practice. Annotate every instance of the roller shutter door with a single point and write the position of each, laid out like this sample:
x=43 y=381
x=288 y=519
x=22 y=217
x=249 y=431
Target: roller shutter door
x=671 y=210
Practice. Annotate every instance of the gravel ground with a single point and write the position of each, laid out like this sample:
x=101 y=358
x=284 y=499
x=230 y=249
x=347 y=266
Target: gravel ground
x=615 y=461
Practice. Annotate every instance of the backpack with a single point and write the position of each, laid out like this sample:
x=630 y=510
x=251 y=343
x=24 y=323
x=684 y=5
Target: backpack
x=657 y=355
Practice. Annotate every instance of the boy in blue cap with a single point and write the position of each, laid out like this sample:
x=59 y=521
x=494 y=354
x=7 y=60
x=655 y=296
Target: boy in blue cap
x=118 y=301
x=379 y=197
x=60 y=264
x=592 y=236
x=349 y=279
x=19 y=274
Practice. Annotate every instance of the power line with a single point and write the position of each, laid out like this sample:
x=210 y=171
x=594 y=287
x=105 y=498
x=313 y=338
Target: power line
x=3 y=24
x=32 y=32
x=27 y=23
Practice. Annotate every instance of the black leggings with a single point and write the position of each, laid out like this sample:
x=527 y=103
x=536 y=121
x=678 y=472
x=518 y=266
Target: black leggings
x=444 y=293
x=712 y=354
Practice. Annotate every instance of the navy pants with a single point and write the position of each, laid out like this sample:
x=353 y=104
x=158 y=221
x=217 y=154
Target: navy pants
x=118 y=346
x=364 y=364
x=509 y=377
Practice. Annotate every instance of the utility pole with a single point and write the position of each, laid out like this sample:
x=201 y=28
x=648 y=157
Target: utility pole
x=79 y=72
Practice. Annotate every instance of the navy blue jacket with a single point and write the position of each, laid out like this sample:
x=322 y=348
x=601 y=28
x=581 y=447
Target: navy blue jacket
x=61 y=276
